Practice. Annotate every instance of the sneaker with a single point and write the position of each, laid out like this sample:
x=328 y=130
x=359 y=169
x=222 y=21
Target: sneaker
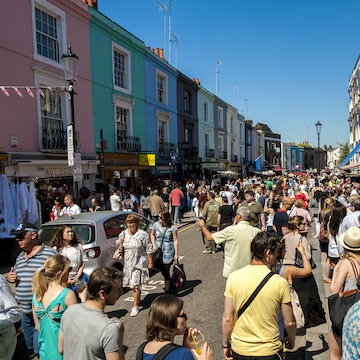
x=134 y=311
x=206 y=251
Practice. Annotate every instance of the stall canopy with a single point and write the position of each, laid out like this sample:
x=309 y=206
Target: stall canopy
x=350 y=155
x=214 y=169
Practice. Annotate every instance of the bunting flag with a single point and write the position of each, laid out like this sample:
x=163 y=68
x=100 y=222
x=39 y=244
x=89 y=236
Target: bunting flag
x=41 y=92
x=17 y=91
x=4 y=90
x=31 y=90
x=28 y=90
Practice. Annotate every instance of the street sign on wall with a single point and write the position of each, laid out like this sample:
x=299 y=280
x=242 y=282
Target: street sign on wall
x=70 y=144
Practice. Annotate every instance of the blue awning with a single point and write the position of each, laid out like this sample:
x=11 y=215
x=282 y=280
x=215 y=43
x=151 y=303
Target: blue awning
x=350 y=155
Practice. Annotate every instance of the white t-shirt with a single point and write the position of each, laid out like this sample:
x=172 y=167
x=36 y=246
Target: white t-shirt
x=115 y=202
x=71 y=210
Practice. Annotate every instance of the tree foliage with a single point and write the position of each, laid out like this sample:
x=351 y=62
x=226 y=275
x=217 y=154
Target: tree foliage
x=344 y=152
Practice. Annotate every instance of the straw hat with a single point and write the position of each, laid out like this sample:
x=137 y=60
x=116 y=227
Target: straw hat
x=350 y=239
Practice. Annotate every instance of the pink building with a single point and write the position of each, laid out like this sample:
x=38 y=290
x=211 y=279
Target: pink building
x=35 y=108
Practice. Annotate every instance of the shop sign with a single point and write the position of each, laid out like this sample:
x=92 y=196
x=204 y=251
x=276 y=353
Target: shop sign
x=147 y=159
x=58 y=171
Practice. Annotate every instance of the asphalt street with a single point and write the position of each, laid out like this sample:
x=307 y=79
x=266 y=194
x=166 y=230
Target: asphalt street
x=203 y=297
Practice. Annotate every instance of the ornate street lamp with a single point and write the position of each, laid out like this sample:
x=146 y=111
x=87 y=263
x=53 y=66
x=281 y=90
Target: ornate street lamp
x=71 y=62
x=318 y=131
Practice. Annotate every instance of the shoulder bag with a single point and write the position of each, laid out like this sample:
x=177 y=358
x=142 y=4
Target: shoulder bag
x=256 y=291
x=119 y=252
x=178 y=278
x=323 y=233
x=157 y=256
x=160 y=355
x=296 y=306
x=298 y=258
x=340 y=303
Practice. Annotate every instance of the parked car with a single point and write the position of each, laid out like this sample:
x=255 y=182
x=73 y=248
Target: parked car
x=98 y=232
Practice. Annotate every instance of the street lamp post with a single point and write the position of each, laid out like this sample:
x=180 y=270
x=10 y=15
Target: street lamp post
x=318 y=131
x=71 y=61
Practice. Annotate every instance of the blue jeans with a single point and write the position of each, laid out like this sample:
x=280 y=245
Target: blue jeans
x=189 y=202
x=30 y=333
x=176 y=214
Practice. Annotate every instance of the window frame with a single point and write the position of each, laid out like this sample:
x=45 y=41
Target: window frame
x=61 y=28
x=127 y=63
x=162 y=75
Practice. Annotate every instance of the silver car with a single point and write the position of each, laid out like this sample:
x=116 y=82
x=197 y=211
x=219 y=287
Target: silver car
x=98 y=232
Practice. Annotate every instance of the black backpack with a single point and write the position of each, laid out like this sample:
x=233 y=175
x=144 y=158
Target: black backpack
x=160 y=355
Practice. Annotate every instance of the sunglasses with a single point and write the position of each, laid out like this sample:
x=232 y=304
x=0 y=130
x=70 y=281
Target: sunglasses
x=184 y=316
x=20 y=237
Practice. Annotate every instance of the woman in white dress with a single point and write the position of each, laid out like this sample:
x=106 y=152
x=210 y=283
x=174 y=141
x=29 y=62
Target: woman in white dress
x=137 y=258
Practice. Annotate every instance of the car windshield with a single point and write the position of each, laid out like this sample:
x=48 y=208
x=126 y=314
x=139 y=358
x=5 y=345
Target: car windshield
x=86 y=233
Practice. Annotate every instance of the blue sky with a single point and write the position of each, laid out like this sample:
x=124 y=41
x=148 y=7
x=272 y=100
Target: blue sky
x=285 y=63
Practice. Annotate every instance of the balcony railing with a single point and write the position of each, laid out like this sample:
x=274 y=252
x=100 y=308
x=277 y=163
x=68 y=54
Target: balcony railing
x=223 y=155
x=128 y=143
x=210 y=153
x=234 y=158
x=53 y=139
x=165 y=148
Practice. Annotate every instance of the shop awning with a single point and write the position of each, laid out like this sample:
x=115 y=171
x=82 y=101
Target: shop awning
x=350 y=155
x=350 y=166
x=214 y=169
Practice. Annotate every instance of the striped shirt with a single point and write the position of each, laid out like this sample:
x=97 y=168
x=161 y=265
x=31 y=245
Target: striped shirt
x=25 y=270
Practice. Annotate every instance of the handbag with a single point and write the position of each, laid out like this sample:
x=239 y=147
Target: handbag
x=296 y=306
x=119 y=252
x=340 y=303
x=298 y=259
x=323 y=234
x=178 y=278
x=157 y=255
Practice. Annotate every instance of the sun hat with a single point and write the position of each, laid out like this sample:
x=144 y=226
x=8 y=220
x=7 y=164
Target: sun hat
x=23 y=229
x=350 y=239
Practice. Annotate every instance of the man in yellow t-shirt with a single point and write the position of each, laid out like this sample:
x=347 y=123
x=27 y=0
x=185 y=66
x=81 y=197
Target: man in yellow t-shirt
x=256 y=332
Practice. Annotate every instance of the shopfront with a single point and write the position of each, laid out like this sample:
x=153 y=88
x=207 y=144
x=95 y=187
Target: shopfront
x=53 y=179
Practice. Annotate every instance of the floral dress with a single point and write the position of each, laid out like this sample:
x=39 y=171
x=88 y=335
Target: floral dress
x=136 y=248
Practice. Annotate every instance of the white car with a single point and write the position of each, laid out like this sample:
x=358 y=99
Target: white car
x=98 y=232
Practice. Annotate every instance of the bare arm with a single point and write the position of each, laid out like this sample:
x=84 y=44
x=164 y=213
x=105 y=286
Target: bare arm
x=263 y=223
x=290 y=324
x=61 y=342
x=36 y=321
x=152 y=239
x=206 y=232
x=70 y=299
x=176 y=245
x=341 y=271
x=227 y=325
x=113 y=356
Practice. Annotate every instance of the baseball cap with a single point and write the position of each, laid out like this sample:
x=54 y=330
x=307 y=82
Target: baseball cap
x=23 y=229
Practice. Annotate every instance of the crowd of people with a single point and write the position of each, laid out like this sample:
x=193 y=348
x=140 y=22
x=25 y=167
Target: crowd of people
x=262 y=228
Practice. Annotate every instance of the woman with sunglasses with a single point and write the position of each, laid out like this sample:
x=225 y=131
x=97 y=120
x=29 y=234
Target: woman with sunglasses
x=165 y=320
x=164 y=234
x=51 y=298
